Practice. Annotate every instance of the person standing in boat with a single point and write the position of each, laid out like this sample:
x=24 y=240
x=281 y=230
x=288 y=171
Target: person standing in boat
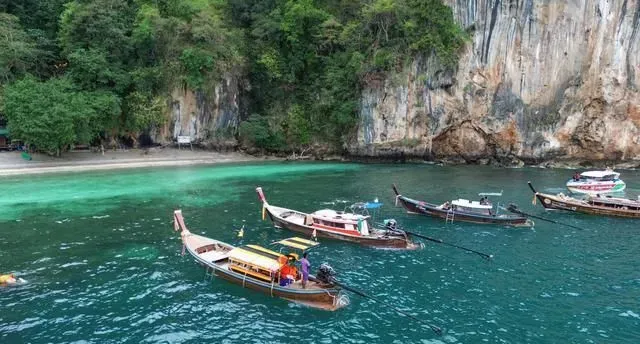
x=305 y=265
x=576 y=176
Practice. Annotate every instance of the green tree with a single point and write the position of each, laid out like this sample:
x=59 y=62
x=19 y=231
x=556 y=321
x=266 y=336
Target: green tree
x=144 y=111
x=298 y=128
x=53 y=115
x=304 y=62
x=19 y=52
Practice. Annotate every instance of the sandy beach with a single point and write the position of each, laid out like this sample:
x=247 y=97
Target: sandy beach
x=11 y=163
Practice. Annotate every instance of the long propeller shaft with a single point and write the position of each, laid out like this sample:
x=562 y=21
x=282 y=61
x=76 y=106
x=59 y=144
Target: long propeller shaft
x=440 y=241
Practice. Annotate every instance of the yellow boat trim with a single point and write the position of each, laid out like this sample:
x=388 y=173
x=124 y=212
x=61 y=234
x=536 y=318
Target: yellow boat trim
x=299 y=243
x=265 y=250
x=250 y=273
x=253 y=259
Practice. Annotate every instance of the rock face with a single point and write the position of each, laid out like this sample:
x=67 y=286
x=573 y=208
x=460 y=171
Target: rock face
x=539 y=80
x=210 y=119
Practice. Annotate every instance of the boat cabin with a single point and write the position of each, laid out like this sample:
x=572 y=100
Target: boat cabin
x=485 y=207
x=598 y=176
x=255 y=261
x=615 y=203
x=339 y=221
x=268 y=265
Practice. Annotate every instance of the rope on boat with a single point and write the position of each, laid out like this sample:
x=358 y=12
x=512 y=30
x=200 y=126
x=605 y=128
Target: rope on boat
x=332 y=296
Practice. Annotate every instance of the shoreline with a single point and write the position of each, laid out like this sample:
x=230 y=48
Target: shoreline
x=12 y=164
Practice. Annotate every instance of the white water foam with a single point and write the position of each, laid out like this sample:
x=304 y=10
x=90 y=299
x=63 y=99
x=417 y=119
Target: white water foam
x=629 y=314
x=84 y=262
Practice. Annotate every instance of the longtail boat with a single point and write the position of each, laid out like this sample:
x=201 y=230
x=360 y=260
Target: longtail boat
x=596 y=182
x=595 y=205
x=462 y=210
x=259 y=268
x=339 y=225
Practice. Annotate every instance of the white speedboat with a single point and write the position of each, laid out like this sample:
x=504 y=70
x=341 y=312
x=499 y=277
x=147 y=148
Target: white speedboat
x=596 y=182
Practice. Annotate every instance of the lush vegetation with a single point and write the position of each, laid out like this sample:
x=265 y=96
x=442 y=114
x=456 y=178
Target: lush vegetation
x=81 y=71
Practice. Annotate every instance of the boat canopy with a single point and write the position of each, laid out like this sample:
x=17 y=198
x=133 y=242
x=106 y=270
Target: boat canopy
x=372 y=205
x=600 y=174
x=334 y=215
x=470 y=204
x=498 y=194
x=299 y=243
x=256 y=256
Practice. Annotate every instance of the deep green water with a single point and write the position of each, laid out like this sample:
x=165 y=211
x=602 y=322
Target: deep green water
x=104 y=264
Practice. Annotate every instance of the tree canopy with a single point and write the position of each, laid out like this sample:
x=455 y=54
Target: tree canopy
x=92 y=69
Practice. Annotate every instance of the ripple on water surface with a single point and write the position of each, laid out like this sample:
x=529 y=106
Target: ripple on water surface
x=104 y=264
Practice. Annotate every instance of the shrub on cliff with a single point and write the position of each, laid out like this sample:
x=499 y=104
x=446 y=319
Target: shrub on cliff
x=316 y=56
x=257 y=131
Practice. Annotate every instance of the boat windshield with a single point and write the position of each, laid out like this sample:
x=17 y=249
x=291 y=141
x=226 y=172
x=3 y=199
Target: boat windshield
x=598 y=176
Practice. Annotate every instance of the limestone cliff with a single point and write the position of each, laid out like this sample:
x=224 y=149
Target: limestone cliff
x=539 y=80
x=209 y=118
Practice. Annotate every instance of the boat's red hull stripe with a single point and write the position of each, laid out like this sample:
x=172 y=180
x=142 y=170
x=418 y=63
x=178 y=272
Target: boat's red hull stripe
x=593 y=187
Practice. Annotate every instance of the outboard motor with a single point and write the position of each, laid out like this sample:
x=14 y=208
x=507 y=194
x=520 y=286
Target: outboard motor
x=326 y=273
x=391 y=225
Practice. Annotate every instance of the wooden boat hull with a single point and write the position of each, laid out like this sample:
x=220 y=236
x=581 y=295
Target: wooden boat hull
x=327 y=299
x=396 y=242
x=432 y=210
x=571 y=204
x=215 y=256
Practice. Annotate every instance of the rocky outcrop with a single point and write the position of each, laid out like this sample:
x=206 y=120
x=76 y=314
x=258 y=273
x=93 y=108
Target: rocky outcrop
x=210 y=118
x=539 y=80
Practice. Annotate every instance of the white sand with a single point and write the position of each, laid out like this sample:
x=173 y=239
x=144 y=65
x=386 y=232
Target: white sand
x=11 y=163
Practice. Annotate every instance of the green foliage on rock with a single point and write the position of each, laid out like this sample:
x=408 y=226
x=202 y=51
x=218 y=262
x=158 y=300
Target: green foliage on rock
x=305 y=61
x=19 y=51
x=312 y=58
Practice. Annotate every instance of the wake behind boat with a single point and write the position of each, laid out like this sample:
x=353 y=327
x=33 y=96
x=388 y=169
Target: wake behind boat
x=463 y=210
x=337 y=225
x=261 y=269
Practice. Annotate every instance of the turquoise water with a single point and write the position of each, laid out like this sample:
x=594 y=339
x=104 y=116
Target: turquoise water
x=104 y=264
